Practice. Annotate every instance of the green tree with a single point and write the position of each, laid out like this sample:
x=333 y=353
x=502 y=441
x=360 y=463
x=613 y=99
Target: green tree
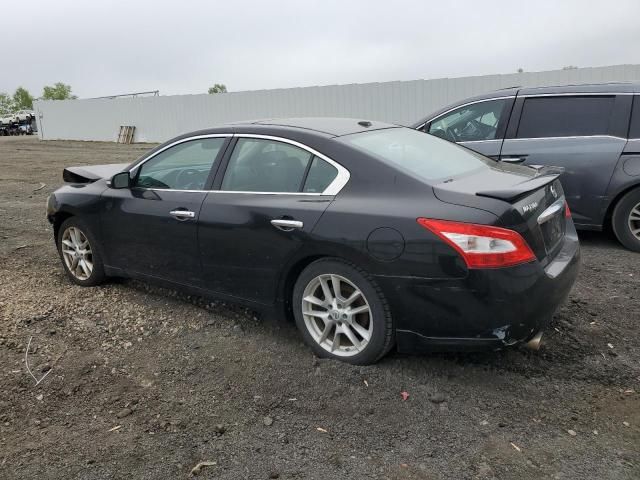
x=58 y=91
x=22 y=99
x=218 y=88
x=6 y=104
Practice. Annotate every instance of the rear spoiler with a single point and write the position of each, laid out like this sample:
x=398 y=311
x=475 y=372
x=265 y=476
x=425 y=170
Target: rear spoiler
x=544 y=176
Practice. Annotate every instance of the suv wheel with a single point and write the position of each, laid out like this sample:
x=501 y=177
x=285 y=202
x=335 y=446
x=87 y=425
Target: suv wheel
x=626 y=220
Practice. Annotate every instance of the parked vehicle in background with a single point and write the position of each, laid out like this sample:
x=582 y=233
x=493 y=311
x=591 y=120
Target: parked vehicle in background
x=24 y=115
x=22 y=122
x=592 y=131
x=370 y=234
x=7 y=120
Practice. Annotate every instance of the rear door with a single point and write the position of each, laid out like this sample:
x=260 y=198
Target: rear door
x=479 y=125
x=583 y=133
x=272 y=193
x=151 y=228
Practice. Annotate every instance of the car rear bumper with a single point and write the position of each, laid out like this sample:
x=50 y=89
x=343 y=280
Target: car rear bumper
x=488 y=308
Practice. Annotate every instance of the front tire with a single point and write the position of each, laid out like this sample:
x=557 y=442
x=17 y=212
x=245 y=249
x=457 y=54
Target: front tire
x=626 y=220
x=79 y=253
x=341 y=313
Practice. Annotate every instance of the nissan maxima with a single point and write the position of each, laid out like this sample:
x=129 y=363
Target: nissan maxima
x=371 y=236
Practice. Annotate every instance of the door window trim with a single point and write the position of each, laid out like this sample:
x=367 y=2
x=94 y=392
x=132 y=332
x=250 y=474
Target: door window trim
x=568 y=136
x=332 y=189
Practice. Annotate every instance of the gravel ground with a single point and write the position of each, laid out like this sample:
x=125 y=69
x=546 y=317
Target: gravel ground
x=146 y=383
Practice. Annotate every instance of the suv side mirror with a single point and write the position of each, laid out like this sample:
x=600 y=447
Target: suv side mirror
x=121 y=180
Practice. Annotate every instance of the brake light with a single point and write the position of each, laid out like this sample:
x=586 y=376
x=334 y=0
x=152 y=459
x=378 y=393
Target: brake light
x=567 y=212
x=482 y=246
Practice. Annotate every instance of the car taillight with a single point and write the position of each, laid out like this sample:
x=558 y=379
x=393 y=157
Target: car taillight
x=482 y=246
x=567 y=212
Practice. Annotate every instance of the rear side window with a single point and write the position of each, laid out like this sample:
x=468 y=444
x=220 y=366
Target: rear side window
x=258 y=165
x=565 y=116
x=420 y=155
x=634 y=129
x=320 y=176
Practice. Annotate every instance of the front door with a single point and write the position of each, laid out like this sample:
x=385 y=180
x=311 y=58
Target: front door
x=271 y=196
x=573 y=132
x=151 y=228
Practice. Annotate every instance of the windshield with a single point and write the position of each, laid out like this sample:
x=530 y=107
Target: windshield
x=417 y=153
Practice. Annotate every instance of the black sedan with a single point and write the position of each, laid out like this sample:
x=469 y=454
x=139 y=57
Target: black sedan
x=370 y=235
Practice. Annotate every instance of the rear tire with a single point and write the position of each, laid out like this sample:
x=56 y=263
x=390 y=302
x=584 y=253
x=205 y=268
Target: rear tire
x=351 y=321
x=626 y=220
x=79 y=252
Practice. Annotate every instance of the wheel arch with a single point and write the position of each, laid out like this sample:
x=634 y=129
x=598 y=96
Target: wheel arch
x=293 y=270
x=57 y=220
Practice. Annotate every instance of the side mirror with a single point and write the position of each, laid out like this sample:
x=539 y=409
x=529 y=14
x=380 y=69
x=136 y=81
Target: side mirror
x=121 y=180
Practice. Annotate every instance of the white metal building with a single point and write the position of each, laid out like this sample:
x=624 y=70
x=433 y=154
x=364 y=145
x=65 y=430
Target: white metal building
x=159 y=118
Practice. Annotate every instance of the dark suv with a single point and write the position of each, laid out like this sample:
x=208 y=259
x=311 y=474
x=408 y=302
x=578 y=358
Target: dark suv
x=592 y=131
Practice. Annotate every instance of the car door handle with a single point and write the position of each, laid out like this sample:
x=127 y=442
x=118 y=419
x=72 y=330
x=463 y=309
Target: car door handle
x=514 y=159
x=182 y=214
x=286 y=225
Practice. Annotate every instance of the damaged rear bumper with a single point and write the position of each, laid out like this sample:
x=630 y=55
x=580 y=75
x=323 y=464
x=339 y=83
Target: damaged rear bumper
x=488 y=309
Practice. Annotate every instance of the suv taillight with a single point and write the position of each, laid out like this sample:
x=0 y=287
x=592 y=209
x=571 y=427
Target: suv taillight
x=482 y=246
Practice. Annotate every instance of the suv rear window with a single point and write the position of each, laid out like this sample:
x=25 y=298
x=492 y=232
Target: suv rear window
x=424 y=156
x=564 y=116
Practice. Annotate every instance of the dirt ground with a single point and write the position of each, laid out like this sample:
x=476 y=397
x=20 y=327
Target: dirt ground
x=144 y=382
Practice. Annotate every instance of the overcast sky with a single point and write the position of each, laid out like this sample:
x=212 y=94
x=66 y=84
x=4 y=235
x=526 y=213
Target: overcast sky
x=103 y=47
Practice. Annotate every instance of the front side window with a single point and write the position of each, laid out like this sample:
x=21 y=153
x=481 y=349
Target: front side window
x=259 y=165
x=478 y=121
x=565 y=116
x=185 y=166
x=419 y=155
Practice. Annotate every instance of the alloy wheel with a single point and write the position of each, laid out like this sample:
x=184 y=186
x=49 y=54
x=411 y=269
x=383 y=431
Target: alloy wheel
x=76 y=253
x=337 y=315
x=634 y=221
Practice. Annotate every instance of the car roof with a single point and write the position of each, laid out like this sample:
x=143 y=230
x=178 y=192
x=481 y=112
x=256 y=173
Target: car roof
x=332 y=126
x=311 y=131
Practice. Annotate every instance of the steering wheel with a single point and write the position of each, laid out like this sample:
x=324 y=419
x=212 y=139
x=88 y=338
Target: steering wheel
x=187 y=178
x=451 y=134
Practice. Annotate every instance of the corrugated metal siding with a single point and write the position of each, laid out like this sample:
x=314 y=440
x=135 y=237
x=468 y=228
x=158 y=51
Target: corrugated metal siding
x=160 y=118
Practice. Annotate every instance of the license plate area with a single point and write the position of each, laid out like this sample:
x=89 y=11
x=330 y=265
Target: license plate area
x=553 y=225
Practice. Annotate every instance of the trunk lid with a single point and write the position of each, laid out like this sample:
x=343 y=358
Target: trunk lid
x=91 y=173
x=527 y=200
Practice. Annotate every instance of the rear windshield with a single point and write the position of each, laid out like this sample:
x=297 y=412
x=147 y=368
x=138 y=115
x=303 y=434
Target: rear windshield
x=417 y=153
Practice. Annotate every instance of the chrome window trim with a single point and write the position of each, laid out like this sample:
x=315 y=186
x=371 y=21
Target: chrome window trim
x=478 y=141
x=464 y=105
x=576 y=94
x=332 y=189
x=567 y=136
